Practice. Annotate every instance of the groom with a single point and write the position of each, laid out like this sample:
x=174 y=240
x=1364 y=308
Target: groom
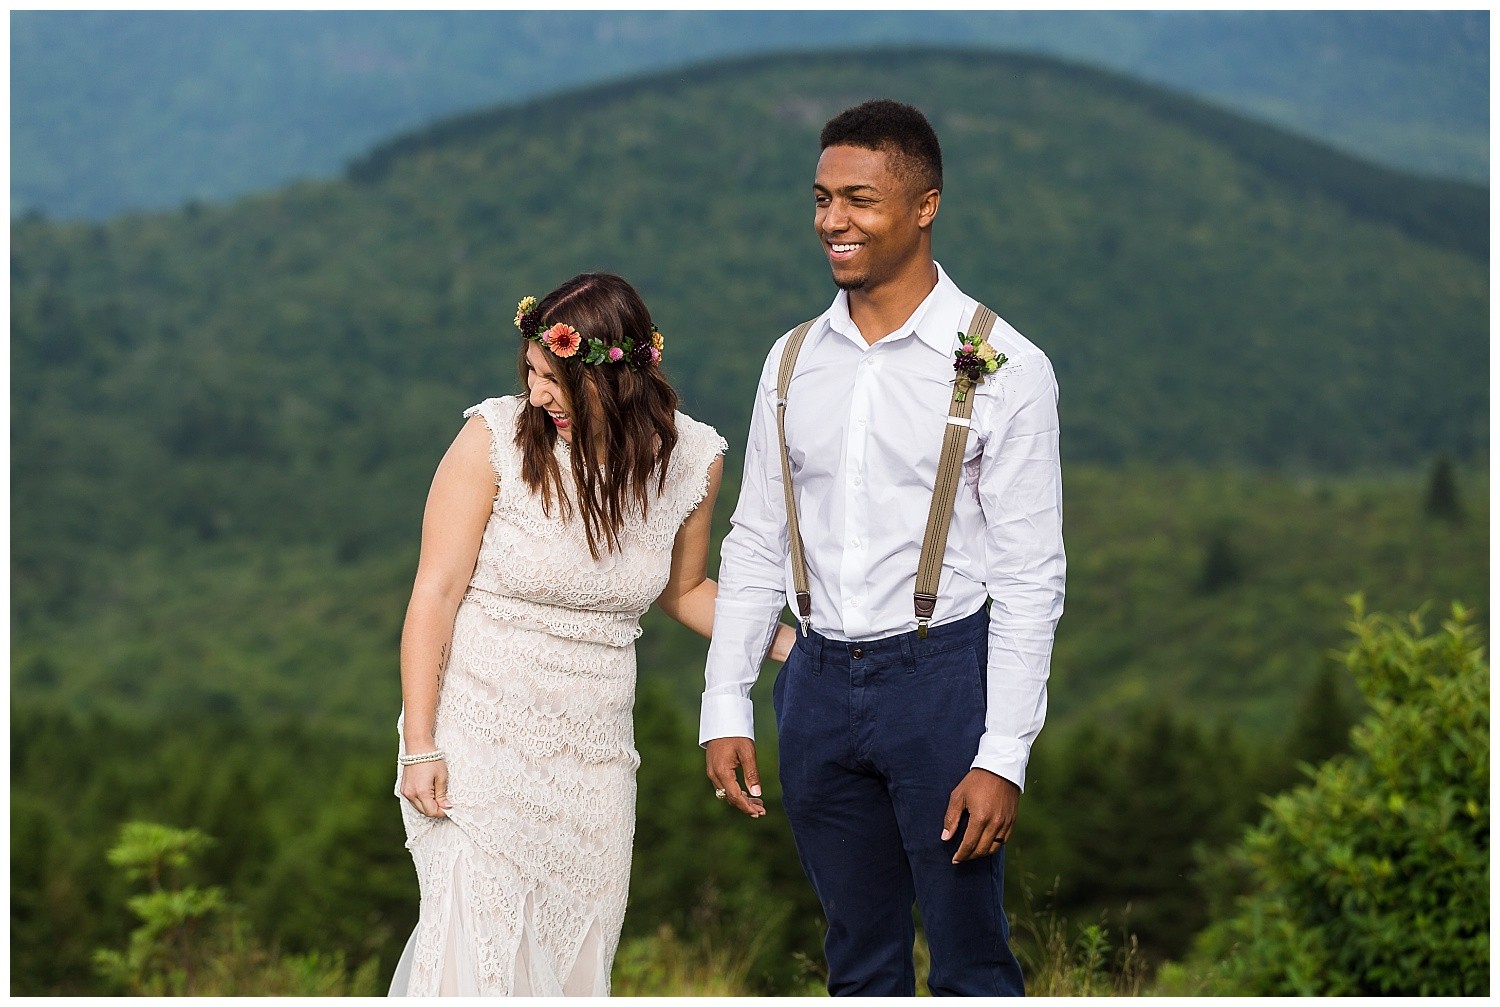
x=903 y=753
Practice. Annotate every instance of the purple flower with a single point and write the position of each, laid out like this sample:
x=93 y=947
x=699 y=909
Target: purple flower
x=644 y=355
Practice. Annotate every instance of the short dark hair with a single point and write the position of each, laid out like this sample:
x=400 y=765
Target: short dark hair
x=892 y=128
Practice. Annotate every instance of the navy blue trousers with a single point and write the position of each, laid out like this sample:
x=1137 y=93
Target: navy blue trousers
x=874 y=736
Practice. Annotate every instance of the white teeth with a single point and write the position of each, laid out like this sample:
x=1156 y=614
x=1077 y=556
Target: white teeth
x=845 y=248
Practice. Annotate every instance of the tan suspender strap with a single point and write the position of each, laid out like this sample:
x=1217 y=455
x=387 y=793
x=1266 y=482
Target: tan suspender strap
x=793 y=532
x=945 y=490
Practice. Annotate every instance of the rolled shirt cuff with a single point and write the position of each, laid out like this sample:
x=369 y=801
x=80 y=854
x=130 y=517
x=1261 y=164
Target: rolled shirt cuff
x=1005 y=757
x=726 y=717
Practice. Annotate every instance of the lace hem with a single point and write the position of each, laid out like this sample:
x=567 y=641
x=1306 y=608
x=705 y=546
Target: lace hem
x=491 y=926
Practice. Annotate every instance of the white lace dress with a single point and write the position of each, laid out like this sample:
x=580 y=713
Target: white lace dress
x=523 y=885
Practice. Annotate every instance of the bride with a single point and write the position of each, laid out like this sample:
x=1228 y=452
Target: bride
x=553 y=522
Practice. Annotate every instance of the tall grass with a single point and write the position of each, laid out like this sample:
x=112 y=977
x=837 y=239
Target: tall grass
x=1093 y=961
x=1058 y=959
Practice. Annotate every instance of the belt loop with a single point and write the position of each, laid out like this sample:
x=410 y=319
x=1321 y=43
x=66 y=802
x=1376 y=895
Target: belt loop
x=908 y=653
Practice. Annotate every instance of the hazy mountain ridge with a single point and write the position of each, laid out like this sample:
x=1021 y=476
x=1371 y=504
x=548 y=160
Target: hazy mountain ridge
x=1443 y=212
x=117 y=110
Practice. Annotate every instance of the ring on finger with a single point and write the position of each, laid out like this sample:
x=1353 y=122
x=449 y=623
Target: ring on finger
x=721 y=793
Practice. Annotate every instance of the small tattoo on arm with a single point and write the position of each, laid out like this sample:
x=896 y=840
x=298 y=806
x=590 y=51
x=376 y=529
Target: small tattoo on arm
x=442 y=662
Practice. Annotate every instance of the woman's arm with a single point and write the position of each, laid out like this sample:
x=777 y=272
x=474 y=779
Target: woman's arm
x=458 y=506
x=689 y=594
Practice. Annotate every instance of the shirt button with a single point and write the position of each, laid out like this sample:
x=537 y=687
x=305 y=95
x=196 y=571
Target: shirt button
x=857 y=653
x=855 y=543
x=858 y=481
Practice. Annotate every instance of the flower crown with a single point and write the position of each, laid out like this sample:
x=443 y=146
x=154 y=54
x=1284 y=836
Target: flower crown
x=565 y=341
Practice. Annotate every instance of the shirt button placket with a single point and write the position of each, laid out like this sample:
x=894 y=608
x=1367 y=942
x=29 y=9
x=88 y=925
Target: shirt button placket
x=853 y=571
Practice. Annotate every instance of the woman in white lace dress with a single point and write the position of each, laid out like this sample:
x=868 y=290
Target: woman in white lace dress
x=553 y=522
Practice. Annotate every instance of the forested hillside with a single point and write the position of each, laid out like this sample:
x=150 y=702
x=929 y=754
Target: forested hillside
x=1273 y=366
x=1216 y=591
x=287 y=367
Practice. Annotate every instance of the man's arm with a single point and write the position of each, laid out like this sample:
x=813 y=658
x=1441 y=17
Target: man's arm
x=1020 y=493
x=747 y=611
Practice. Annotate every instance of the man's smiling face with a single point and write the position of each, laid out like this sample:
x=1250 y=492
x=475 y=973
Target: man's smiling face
x=869 y=218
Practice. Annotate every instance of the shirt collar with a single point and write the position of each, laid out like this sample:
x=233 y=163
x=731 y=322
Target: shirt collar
x=935 y=321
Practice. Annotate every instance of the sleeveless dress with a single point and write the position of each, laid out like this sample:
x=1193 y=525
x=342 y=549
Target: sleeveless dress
x=523 y=885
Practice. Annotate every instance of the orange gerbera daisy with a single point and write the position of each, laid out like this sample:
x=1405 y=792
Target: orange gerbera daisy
x=562 y=339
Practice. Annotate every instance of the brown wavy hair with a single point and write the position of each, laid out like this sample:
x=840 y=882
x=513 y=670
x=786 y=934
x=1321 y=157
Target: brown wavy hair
x=624 y=422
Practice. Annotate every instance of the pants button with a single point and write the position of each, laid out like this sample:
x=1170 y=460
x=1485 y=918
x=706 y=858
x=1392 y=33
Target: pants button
x=857 y=653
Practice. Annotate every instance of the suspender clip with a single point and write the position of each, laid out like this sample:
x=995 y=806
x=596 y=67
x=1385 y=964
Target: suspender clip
x=925 y=604
x=804 y=610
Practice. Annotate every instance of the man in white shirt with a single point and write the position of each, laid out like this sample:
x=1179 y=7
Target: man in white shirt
x=902 y=755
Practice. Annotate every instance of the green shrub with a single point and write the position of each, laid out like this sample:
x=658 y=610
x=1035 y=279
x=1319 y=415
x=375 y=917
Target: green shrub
x=1373 y=878
x=193 y=942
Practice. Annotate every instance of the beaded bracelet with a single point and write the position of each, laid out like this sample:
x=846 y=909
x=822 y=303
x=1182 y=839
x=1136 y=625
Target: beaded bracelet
x=412 y=760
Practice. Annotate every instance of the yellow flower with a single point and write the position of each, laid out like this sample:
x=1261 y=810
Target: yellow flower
x=986 y=352
x=525 y=307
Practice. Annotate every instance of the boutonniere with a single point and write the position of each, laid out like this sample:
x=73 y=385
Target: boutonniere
x=973 y=359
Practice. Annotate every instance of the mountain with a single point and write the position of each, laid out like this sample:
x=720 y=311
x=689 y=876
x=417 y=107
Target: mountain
x=127 y=110
x=282 y=372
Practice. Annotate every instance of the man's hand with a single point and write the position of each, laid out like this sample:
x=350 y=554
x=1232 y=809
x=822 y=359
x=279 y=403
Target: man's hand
x=991 y=802
x=724 y=756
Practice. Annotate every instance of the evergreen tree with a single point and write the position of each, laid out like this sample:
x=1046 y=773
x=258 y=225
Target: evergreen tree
x=1221 y=565
x=1443 y=501
x=1124 y=814
x=1319 y=731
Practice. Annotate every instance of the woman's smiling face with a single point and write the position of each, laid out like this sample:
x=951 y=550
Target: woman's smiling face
x=544 y=392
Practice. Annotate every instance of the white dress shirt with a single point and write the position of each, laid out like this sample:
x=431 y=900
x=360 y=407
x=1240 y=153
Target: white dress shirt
x=864 y=428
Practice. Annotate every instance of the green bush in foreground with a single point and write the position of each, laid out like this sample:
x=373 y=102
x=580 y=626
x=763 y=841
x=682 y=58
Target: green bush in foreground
x=1373 y=878
x=193 y=942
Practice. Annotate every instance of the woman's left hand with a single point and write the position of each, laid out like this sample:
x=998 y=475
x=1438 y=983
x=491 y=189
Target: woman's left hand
x=425 y=785
x=782 y=643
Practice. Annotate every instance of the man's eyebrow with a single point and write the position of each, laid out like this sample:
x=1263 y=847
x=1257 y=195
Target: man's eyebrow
x=847 y=189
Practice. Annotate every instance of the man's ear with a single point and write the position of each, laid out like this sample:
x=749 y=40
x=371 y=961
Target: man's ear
x=927 y=207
